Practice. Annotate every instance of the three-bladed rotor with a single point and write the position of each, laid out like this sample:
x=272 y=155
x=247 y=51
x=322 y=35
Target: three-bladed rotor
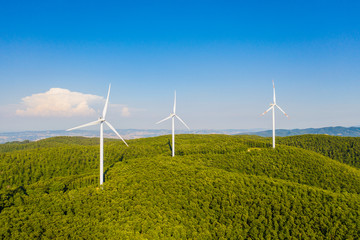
x=101 y=119
x=273 y=105
x=173 y=114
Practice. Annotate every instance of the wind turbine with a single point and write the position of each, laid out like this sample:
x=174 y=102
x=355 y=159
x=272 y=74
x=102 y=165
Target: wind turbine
x=172 y=116
x=101 y=121
x=272 y=106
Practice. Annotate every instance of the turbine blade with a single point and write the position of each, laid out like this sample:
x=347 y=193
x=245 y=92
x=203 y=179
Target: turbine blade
x=174 y=110
x=274 y=97
x=106 y=103
x=267 y=110
x=112 y=128
x=281 y=110
x=85 y=125
x=165 y=119
x=182 y=121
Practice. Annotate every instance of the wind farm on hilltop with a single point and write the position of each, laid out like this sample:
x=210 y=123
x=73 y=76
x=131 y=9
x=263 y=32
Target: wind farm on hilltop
x=172 y=116
x=217 y=187
x=76 y=163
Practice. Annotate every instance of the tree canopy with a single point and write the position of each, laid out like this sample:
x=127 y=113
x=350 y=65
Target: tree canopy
x=216 y=187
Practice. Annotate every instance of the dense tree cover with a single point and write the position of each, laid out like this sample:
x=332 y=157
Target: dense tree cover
x=217 y=187
x=342 y=149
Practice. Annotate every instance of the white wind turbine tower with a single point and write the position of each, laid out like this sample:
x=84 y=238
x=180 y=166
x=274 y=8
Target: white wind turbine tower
x=272 y=106
x=172 y=116
x=100 y=121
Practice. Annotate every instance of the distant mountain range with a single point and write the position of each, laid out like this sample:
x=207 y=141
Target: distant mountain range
x=333 y=131
x=143 y=133
x=125 y=133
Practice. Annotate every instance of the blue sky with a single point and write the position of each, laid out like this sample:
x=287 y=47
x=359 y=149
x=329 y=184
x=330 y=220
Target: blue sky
x=220 y=57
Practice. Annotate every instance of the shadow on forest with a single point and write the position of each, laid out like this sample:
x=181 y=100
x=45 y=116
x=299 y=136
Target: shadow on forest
x=169 y=143
x=21 y=189
x=120 y=160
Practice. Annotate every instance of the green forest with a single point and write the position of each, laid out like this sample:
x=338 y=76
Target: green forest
x=216 y=187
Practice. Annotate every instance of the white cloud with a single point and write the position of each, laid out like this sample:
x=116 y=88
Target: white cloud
x=121 y=109
x=58 y=102
x=125 y=112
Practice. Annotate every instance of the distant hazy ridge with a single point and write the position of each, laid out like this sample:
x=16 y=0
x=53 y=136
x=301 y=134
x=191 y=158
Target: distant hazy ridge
x=333 y=131
x=142 y=133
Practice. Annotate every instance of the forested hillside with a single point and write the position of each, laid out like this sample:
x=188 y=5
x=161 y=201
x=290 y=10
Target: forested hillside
x=342 y=149
x=216 y=187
